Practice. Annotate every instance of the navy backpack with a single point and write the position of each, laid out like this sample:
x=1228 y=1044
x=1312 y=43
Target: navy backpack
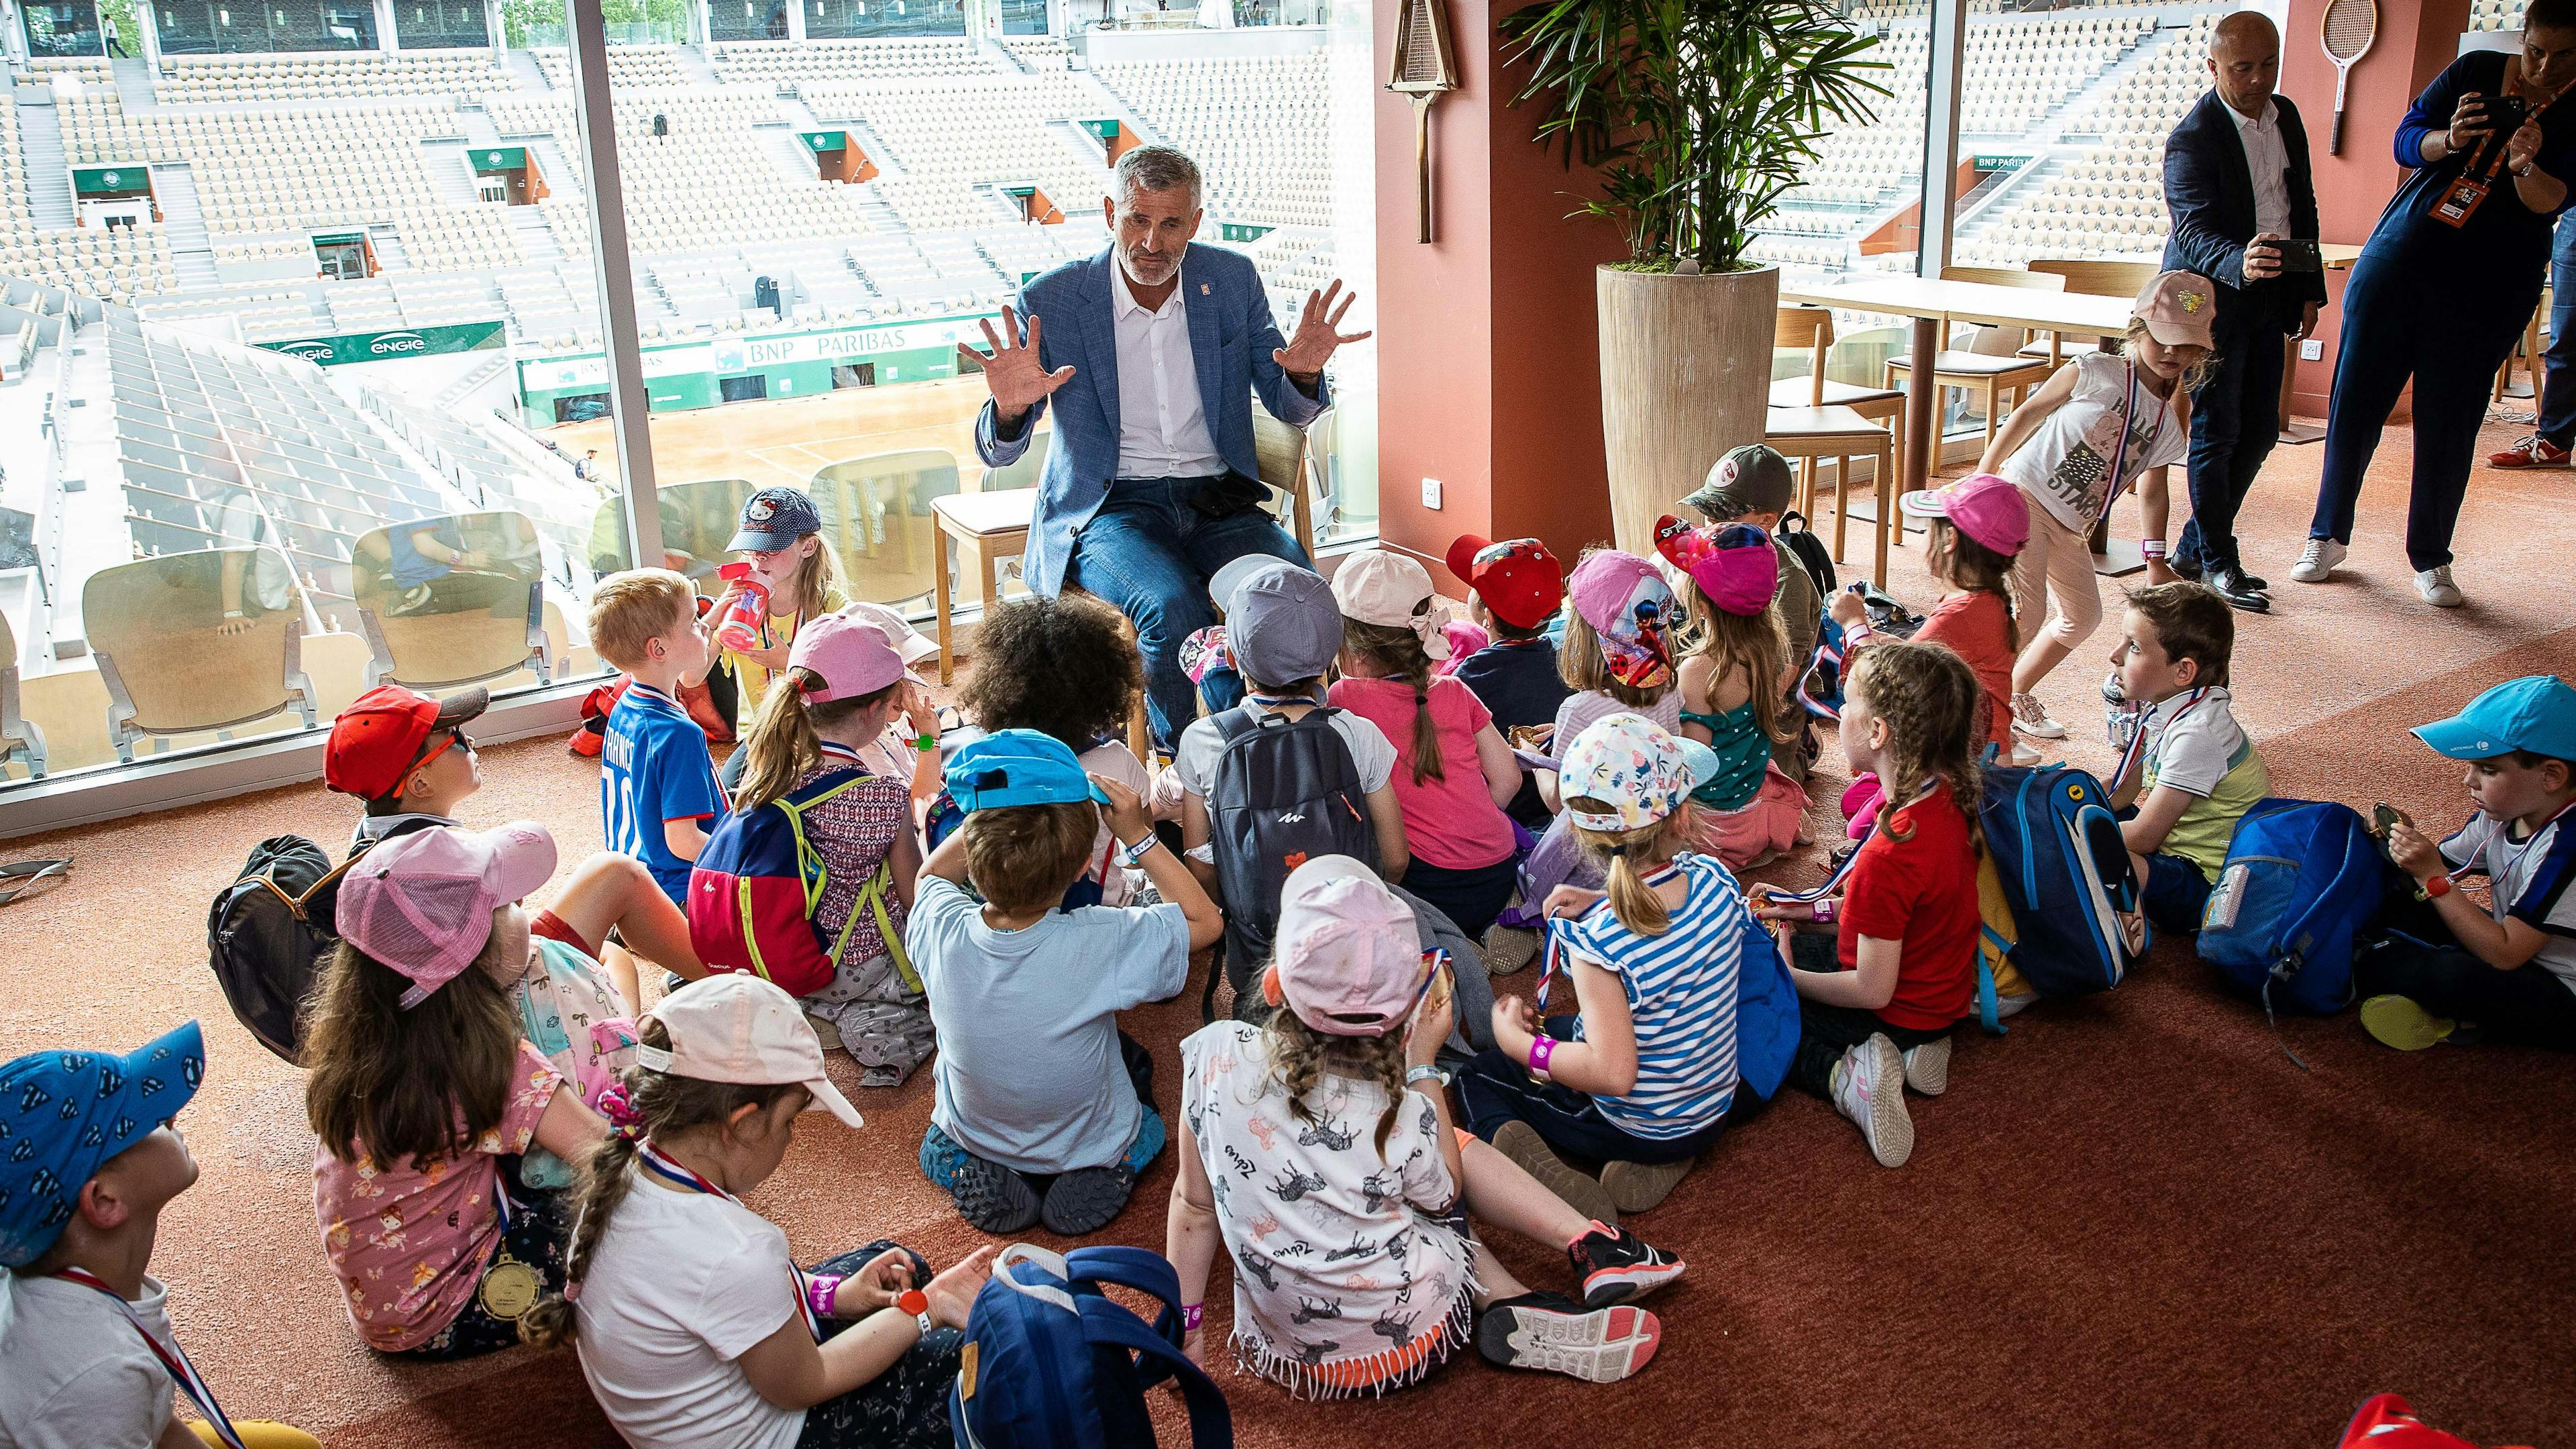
x=2302 y=879
x=1050 y=1362
x=2063 y=869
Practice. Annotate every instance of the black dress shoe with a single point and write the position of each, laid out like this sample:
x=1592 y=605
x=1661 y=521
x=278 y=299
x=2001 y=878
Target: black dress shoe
x=2187 y=568
x=2248 y=580
x=2238 y=591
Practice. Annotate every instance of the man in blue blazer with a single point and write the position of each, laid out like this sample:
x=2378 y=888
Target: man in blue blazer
x=2237 y=180
x=1150 y=353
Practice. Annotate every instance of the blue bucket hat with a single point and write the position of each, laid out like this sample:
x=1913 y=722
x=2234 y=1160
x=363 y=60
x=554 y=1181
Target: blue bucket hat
x=773 y=518
x=2535 y=713
x=1017 y=767
x=63 y=1114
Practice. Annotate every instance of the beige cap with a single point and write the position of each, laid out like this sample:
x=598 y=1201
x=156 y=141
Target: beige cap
x=2179 y=308
x=739 y=1028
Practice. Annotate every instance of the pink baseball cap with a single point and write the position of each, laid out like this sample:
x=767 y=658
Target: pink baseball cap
x=2179 y=308
x=740 y=1028
x=422 y=903
x=854 y=657
x=1733 y=564
x=1350 y=962
x=1989 y=509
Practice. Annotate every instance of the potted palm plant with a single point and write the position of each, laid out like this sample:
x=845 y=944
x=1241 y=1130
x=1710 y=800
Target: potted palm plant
x=1697 y=115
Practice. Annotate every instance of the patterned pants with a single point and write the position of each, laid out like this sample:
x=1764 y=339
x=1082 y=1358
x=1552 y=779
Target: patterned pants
x=906 y=1407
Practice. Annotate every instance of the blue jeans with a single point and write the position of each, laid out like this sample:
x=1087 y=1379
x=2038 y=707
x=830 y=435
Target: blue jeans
x=1495 y=1090
x=1150 y=555
x=2557 y=403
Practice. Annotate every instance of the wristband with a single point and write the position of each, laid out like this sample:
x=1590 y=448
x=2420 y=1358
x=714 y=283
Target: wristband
x=234 y=614
x=1541 y=1048
x=925 y=742
x=916 y=1303
x=1192 y=1314
x=1132 y=854
x=820 y=1289
x=2151 y=548
x=1425 y=1074
x=1824 y=911
x=2436 y=888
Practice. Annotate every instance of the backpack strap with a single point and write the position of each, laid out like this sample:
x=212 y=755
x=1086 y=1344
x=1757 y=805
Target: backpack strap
x=1233 y=724
x=1142 y=1269
x=1105 y=1322
x=1986 y=1006
x=872 y=900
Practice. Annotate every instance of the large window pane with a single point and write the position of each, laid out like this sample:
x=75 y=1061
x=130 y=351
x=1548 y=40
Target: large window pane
x=230 y=27
x=62 y=28
x=440 y=24
x=853 y=19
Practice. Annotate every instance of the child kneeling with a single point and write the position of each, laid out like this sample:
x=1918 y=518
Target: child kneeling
x=1318 y=1148
x=1034 y=1078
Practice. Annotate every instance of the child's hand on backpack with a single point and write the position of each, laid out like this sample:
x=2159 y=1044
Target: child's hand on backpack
x=952 y=1293
x=1128 y=818
x=1849 y=609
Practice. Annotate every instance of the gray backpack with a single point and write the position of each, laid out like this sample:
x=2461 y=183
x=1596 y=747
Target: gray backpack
x=1283 y=790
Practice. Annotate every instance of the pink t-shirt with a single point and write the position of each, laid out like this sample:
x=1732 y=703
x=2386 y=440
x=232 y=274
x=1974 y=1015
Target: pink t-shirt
x=1451 y=822
x=410 y=1241
x=1978 y=629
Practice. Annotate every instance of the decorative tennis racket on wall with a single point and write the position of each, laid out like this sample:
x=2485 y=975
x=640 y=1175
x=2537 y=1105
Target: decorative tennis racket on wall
x=2346 y=31
x=1424 y=67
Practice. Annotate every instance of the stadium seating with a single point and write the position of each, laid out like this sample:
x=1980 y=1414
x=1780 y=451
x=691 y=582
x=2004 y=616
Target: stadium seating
x=775 y=62
x=233 y=78
x=628 y=65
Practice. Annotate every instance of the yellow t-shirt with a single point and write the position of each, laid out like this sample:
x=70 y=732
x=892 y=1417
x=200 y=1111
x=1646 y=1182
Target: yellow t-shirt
x=776 y=631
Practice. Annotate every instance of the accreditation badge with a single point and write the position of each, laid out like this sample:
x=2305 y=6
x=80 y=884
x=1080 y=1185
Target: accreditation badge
x=509 y=1288
x=2460 y=202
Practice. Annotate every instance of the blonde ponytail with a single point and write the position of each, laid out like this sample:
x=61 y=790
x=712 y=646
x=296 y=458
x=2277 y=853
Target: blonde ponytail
x=786 y=739
x=1633 y=855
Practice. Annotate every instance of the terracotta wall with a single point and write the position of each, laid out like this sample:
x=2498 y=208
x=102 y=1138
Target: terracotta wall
x=2415 y=41
x=1488 y=363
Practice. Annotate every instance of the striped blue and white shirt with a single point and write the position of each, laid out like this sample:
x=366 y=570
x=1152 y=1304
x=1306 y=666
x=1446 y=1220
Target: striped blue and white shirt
x=1681 y=995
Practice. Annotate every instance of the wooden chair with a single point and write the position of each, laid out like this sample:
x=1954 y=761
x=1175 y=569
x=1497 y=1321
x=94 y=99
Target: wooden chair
x=432 y=623
x=1801 y=328
x=20 y=739
x=2530 y=355
x=1988 y=367
x=156 y=629
x=2091 y=278
x=2052 y=346
x=1811 y=432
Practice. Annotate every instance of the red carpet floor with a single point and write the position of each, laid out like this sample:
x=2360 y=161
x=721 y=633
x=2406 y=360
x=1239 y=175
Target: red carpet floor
x=2131 y=1221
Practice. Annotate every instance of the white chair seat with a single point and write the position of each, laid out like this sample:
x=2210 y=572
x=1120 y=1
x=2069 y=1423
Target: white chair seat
x=1970 y=364
x=1794 y=392
x=1821 y=425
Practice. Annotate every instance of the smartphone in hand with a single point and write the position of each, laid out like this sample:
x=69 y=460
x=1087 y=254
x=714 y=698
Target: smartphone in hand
x=2299 y=255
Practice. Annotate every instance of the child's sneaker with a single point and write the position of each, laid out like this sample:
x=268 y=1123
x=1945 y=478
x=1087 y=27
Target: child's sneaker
x=1642 y=1186
x=2031 y=718
x=1617 y=1266
x=1927 y=1067
x=2398 y=1022
x=1869 y=1088
x=1553 y=1332
x=1084 y=1200
x=1580 y=1190
x=992 y=1198
x=1507 y=950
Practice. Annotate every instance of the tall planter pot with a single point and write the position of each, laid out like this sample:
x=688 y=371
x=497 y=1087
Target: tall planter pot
x=1685 y=375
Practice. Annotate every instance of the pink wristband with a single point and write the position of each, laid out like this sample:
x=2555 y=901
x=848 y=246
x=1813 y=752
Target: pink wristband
x=820 y=1288
x=1191 y=1316
x=1540 y=1050
x=1824 y=910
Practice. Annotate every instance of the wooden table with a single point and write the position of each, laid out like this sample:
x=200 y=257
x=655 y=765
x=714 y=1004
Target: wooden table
x=1935 y=306
x=988 y=528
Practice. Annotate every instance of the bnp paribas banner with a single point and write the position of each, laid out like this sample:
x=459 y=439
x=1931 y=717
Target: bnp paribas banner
x=392 y=346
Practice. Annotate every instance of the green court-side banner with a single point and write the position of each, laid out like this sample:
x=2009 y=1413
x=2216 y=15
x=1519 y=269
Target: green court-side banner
x=392 y=346
x=820 y=141
x=499 y=158
x=109 y=180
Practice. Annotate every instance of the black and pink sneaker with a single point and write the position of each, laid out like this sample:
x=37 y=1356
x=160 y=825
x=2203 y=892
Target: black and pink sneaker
x=1618 y=1266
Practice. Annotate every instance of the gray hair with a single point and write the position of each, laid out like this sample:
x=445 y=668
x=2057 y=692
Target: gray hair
x=1157 y=168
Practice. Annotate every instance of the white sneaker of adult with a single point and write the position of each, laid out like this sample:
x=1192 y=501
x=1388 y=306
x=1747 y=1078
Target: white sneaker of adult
x=1869 y=1088
x=2317 y=561
x=2437 y=589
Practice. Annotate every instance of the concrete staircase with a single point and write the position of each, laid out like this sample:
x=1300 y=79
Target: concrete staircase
x=390 y=255
x=694 y=64
x=183 y=225
x=134 y=85
x=536 y=242
x=40 y=145
x=532 y=77
x=451 y=176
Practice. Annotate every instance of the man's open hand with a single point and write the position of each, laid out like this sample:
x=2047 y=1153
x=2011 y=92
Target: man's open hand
x=1307 y=352
x=1018 y=380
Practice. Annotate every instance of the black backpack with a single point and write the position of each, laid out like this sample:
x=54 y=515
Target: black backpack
x=1811 y=551
x=270 y=931
x=1283 y=790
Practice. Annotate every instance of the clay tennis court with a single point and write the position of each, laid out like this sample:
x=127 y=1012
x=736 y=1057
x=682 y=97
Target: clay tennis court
x=783 y=440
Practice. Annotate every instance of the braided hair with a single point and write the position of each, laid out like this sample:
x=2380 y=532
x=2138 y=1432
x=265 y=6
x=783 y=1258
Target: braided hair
x=1935 y=712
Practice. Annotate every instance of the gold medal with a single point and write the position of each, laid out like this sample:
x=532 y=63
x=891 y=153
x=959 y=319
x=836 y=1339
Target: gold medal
x=509 y=1288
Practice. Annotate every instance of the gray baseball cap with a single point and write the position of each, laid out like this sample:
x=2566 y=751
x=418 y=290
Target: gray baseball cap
x=1750 y=479
x=1283 y=625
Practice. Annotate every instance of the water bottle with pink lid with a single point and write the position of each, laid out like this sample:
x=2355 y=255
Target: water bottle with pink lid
x=740 y=628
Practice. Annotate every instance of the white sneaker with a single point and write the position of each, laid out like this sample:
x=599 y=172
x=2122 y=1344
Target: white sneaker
x=2437 y=589
x=2024 y=755
x=2030 y=717
x=1927 y=1067
x=1869 y=1088
x=2317 y=561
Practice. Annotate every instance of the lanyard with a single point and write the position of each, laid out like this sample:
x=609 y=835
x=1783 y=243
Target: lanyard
x=1843 y=871
x=660 y=1164
x=2138 y=742
x=1558 y=926
x=173 y=1357
x=2120 y=455
x=2495 y=139
x=2496 y=826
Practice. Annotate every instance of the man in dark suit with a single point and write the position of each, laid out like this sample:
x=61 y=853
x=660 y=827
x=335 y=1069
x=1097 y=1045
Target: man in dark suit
x=2236 y=181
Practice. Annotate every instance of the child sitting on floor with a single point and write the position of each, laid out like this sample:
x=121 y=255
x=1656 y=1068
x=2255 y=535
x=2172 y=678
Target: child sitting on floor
x=1752 y=485
x=1064 y=667
x=694 y=1325
x=1643 y=1077
x=1453 y=770
x=657 y=784
x=1035 y=1080
x=1516 y=586
x=1974 y=529
x=1317 y=1147
x=84 y=1326
x=2191 y=772
x=842 y=686
x=2506 y=972
x=420 y=1082
x=1880 y=994
x=1734 y=693
x=408 y=757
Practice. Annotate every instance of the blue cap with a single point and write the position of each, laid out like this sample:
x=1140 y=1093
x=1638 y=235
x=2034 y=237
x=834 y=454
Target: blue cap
x=2536 y=713
x=63 y=1114
x=773 y=518
x=1017 y=767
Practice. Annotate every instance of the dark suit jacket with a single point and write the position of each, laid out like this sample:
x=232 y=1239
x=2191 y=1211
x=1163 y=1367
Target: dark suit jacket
x=2209 y=193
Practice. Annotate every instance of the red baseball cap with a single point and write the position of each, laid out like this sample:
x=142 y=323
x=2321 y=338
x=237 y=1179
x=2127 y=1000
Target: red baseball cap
x=379 y=736
x=1518 y=578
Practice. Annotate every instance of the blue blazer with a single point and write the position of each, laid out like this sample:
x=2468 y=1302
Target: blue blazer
x=1231 y=339
x=2209 y=193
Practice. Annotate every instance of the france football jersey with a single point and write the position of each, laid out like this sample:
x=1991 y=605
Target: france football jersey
x=654 y=768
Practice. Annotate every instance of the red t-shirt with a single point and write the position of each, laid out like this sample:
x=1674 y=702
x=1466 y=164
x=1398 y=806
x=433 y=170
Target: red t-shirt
x=1978 y=628
x=1923 y=892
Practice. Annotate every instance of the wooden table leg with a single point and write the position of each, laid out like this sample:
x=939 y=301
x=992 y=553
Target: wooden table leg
x=2293 y=431
x=1922 y=409
x=942 y=601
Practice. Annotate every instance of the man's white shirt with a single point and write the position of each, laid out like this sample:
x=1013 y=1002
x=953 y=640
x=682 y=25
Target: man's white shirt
x=1162 y=425
x=2267 y=159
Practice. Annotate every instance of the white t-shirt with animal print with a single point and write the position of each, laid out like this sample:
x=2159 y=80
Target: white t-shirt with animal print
x=1337 y=1257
